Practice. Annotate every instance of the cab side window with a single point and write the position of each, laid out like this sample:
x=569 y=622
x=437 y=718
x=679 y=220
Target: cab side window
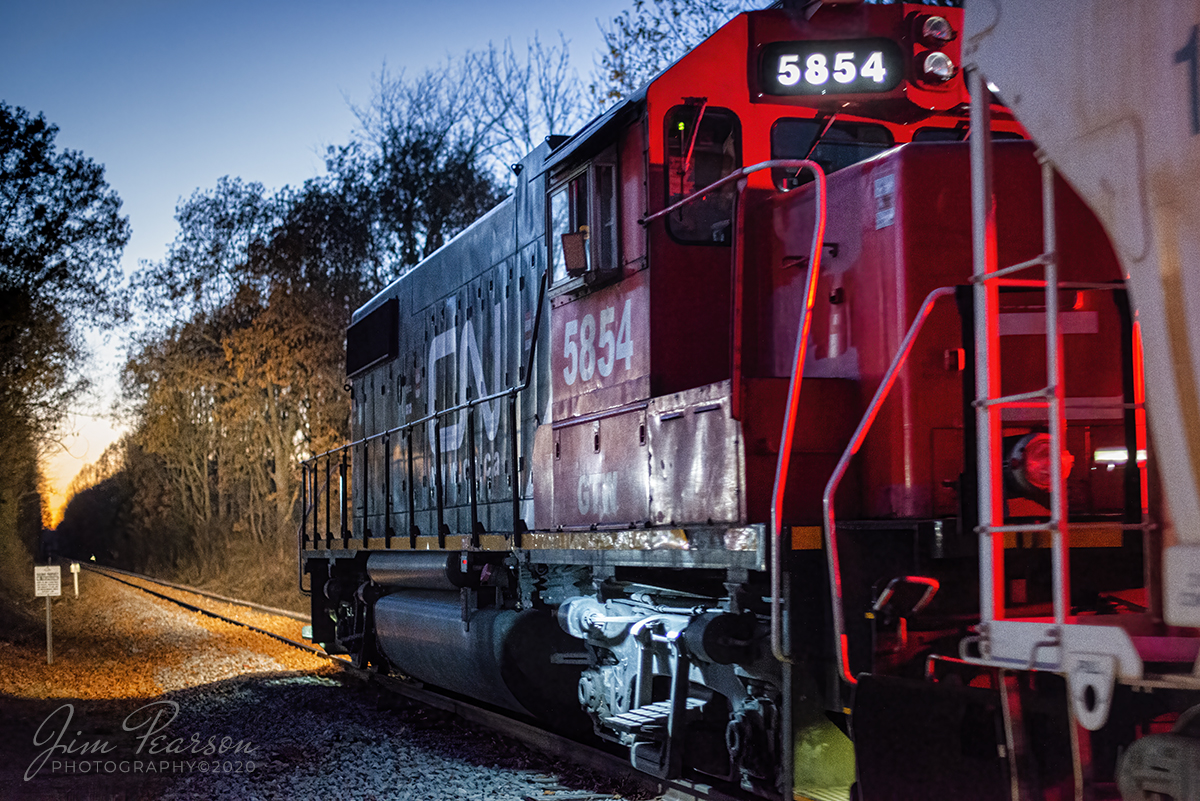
x=704 y=144
x=583 y=221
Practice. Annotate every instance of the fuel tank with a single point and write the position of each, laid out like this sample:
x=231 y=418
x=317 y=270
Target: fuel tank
x=501 y=657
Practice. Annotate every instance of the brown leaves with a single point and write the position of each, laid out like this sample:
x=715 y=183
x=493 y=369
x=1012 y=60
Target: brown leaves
x=116 y=642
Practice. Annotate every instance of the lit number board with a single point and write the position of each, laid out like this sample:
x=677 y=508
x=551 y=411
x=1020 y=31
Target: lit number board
x=842 y=67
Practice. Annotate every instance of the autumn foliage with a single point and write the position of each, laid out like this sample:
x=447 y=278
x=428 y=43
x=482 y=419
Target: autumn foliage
x=237 y=372
x=241 y=380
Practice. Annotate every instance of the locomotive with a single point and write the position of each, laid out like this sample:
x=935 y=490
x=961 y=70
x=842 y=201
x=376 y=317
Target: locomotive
x=726 y=440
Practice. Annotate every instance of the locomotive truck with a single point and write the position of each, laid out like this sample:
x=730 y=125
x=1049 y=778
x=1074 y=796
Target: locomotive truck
x=786 y=427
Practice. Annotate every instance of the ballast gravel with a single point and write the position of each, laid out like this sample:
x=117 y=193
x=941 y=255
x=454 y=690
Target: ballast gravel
x=148 y=701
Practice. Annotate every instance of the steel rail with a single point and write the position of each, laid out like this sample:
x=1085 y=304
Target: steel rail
x=271 y=610
x=209 y=613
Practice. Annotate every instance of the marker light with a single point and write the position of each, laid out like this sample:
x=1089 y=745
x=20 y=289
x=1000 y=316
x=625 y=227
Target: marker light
x=938 y=67
x=937 y=31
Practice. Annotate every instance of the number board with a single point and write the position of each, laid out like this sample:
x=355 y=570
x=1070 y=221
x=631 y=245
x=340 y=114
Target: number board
x=841 y=67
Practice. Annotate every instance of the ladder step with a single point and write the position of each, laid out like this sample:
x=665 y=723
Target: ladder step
x=1037 y=283
x=1040 y=397
x=1025 y=265
x=1018 y=528
x=649 y=719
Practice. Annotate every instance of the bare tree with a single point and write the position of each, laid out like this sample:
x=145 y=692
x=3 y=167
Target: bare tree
x=538 y=95
x=644 y=40
x=205 y=265
x=432 y=153
x=494 y=103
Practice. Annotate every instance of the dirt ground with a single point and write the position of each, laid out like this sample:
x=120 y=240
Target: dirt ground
x=115 y=651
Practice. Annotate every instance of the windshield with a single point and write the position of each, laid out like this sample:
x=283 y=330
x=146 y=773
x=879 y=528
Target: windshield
x=843 y=144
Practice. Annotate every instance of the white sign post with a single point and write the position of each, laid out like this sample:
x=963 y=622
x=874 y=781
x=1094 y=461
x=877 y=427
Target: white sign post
x=75 y=575
x=47 y=581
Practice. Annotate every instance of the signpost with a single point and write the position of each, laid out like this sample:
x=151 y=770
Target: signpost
x=47 y=581
x=75 y=575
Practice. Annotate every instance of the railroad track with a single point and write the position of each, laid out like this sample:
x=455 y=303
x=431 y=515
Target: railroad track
x=273 y=610
x=123 y=577
x=545 y=742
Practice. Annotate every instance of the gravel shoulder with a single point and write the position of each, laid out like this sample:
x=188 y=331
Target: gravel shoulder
x=116 y=642
x=148 y=701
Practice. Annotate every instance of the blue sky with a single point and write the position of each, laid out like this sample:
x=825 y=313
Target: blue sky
x=170 y=96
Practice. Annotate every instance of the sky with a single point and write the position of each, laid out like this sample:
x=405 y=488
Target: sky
x=172 y=95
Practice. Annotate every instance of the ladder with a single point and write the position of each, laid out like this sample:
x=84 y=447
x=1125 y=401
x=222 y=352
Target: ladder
x=1092 y=657
x=987 y=280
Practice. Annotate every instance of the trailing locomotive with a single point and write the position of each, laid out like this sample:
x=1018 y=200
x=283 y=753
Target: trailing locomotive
x=714 y=439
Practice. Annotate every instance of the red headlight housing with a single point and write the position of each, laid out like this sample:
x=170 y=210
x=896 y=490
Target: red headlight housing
x=1028 y=463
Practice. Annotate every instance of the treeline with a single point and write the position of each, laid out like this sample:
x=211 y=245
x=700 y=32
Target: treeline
x=240 y=375
x=61 y=237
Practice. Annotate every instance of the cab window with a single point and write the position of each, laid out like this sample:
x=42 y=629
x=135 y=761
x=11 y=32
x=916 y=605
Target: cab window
x=940 y=134
x=956 y=134
x=583 y=221
x=843 y=144
x=704 y=144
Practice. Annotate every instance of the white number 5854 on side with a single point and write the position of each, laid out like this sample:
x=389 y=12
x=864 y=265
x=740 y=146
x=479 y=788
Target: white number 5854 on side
x=593 y=348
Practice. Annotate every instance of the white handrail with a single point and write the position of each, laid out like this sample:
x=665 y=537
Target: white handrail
x=790 y=413
x=856 y=441
x=789 y=423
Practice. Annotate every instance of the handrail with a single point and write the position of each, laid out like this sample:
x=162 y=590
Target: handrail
x=512 y=392
x=931 y=586
x=308 y=504
x=789 y=425
x=788 y=432
x=737 y=175
x=516 y=389
x=856 y=441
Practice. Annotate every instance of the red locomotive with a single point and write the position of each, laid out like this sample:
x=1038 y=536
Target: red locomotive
x=603 y=469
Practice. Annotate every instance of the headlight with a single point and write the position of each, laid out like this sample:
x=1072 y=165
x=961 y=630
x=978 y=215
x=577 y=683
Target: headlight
x=938 y=67
x=1027 y=466
x=937 y=31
